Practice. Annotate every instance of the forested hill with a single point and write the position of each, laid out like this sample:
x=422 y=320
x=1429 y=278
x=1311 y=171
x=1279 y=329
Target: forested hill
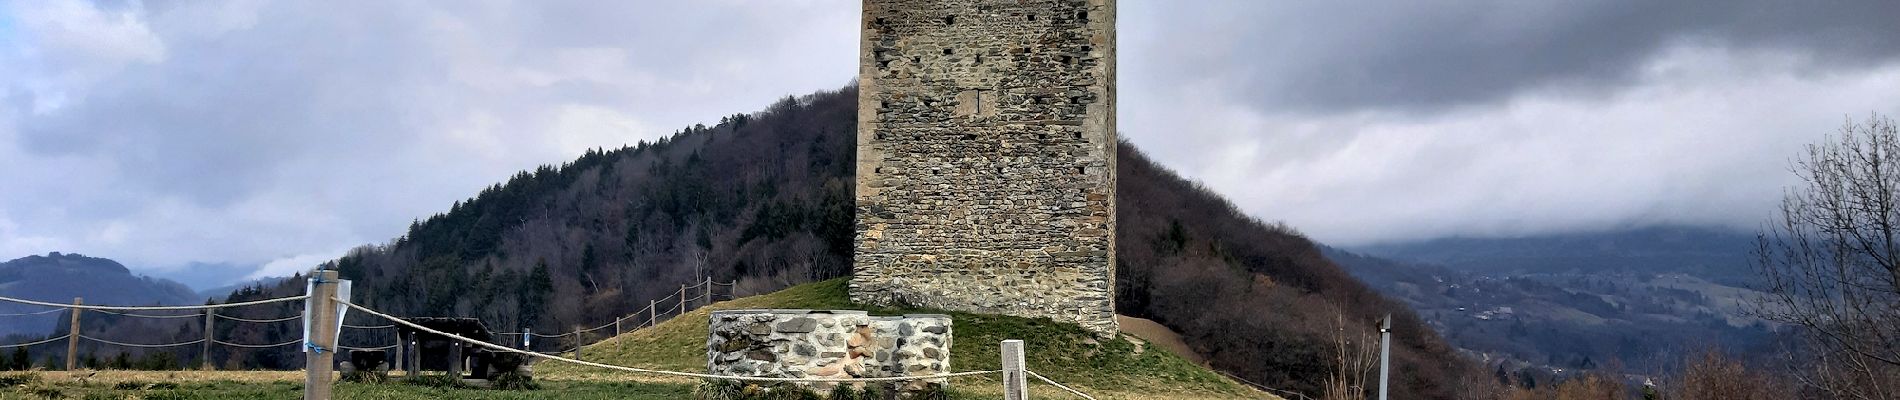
x=765 y=199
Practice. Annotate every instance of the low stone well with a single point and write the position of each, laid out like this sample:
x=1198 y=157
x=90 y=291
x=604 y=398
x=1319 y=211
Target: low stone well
x=829 y=344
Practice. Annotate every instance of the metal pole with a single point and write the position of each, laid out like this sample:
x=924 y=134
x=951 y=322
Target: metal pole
x=1015 y=382
x=204 y=354
x=72 y=340
x=1385 y=354
x=319 y=360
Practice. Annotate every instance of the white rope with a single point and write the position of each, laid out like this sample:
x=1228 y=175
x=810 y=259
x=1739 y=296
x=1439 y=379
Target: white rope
x=370 y=348
x=727 y=283
x=149 y=315
x=369 y=327
x=259 y=321
x=492 y=346
x=141 y=345
x=148 y=308
x=9 y=346
x=34 y=313
x=1046 y=380
x=256 y=346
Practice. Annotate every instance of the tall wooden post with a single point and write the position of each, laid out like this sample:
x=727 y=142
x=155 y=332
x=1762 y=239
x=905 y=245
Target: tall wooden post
x=653 y=312
x=579 y=342
x=682 y=299
x=401 y=361
x=708 y=293
x=72 y=340
x=204 y=353
x=322 y=332
x=455 y=359
x=1015 y=381
x=414 y=366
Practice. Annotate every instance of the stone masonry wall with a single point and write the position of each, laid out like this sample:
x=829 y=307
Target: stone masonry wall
x=986 y=157
x=828 y=344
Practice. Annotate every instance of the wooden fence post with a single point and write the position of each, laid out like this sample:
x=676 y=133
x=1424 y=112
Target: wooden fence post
x=708 y=293
x=682 y=299
x=400 y=361
x=319 y=360
x=653 y=312
x=1015 y=381
x=204 y=354
x=72 y=341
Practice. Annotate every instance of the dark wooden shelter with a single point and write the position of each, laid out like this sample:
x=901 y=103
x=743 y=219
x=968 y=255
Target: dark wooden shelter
x=431 y=352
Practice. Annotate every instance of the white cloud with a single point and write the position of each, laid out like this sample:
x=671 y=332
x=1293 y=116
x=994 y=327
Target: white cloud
x=1698 y=141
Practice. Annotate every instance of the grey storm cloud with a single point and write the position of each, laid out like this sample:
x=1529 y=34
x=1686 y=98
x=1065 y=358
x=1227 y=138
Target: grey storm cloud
x=1330 y=56
x=279 y=133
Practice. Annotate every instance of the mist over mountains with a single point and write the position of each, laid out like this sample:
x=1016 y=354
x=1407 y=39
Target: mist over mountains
x=1634 y=298
x=59 y=277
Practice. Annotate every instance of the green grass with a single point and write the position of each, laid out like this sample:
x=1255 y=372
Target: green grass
x=1062 y=351
x=1108 y=369
x=233 y=390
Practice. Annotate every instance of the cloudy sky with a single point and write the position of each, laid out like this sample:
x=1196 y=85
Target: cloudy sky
x=208 y=139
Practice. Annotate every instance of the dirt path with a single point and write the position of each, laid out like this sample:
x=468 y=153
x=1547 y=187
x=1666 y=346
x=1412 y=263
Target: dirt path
x=1160 y=336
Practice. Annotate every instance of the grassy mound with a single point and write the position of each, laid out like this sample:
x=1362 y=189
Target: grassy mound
x=1121 y=368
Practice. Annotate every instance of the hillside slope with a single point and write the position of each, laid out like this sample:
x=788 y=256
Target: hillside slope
x=1127 y=368
x=60 y=277
x=765 y=199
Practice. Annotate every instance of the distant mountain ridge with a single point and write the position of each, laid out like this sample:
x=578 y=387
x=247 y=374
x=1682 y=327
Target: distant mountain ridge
x=1717 y=254
x=59 y=277
x=1575 y=300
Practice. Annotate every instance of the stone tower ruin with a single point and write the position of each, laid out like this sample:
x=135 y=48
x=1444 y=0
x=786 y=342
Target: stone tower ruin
x=986 y=157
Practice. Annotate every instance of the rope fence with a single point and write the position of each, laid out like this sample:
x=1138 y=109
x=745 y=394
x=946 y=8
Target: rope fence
x=44 y=341
x=258 y=321
x=152 y=308
x=41 y=312
x=500 y=348
x=147 y=346
x=255 y=346
x=134 y=315
x=1053 y=383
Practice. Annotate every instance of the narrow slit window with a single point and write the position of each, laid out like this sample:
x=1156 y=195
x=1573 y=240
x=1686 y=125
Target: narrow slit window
x=1032 y=17
x=948 y=51
x=1082 y=16
x=949 y=19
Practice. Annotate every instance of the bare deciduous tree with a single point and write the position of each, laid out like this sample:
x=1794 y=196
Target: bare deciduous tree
x=1830 y=262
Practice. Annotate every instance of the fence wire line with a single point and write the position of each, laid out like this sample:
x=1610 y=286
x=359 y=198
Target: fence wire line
x=259 y=321
x=151 y=308
x=49 y=340
x=256 y=346
x=1052 y=382
x=149 y=315
x=140 y=345
x=373 y=327
x=368 y=348
x=642 y=310
x=33 y=313
x=496 y=347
